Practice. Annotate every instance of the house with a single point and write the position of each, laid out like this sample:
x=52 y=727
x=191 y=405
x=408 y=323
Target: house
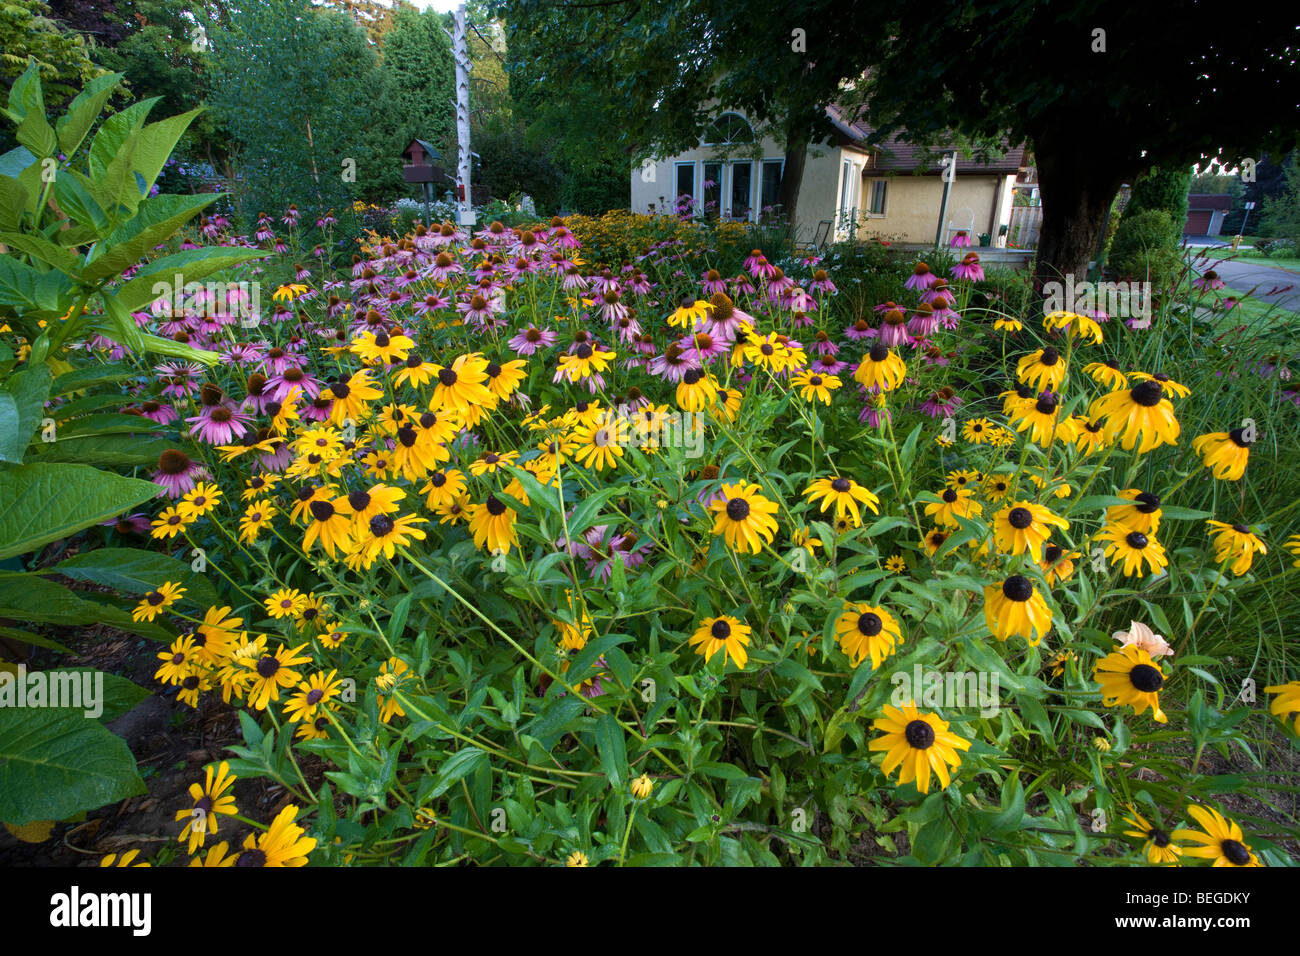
x=893 y=190
x=1205 y=212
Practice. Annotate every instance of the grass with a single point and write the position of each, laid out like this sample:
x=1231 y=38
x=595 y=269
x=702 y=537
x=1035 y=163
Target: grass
x=1290 y=265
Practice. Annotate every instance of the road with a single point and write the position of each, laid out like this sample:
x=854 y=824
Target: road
x=1272 y=286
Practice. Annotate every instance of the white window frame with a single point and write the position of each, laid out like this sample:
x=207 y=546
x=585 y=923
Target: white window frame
x=847 y=197
x=870 y=198
x=730 y=176
x=758 y=205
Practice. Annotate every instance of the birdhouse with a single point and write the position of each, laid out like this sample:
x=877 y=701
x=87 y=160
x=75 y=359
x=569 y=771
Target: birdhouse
x=422 y=163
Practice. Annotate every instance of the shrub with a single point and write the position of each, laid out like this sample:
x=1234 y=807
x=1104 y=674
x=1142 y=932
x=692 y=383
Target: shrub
x=1143 y=249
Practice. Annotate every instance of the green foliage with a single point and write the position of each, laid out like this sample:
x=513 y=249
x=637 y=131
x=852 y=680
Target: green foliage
x=1281 y=217
x=296 y=85
x=1162 y=189
x=1143 y=249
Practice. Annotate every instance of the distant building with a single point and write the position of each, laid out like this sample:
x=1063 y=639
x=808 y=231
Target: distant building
x=1205 y=212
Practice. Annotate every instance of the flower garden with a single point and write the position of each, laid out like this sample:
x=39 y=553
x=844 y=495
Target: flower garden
x=604 y=542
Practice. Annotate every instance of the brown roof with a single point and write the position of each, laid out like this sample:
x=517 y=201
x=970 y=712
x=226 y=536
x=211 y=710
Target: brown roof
x=1209 y=201
x=895 y=154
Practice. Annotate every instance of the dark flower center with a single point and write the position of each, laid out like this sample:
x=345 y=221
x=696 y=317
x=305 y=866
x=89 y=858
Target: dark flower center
x=949 y=495
x=447 y=377
x=1050 y=356
x=1158 y=836
x=692 y=376
x=1053 y=554
x=1238 y=439
x=919 y=734
x=737 y=509
x=841 y=485
x=321 y=510
x=314 y=696
x=267 y=666
x=1240 y=529
x=869 y=623
x=1018 y=588
x=253 y=857
x=1235 y=852
x=1146 y=678
x=1137 y=540
x=1147 y=503
x=1020 y=518
x=359 y=500
x=381 y=525
x=406 y=435
x=720 y=630
x=1147 y=394
x=878 y=352
x=495 y=506
x=1046 y=404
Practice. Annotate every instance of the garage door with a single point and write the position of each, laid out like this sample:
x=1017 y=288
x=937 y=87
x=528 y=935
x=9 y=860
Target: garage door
x=1198 y=222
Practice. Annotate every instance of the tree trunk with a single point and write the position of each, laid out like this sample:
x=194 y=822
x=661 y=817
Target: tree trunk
x=796 y=155
x=1077 y=187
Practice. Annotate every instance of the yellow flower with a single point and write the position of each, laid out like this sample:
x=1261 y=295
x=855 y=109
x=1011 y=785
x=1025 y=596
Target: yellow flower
x=866 y=631
x=1129 y=677
x=918 y=743
x=744 y=517
x=156 y=601
x=1222 y=841
x=724 y=633
x=201 y=499
x=642 y=786
x=844 y=494
x=287 y=293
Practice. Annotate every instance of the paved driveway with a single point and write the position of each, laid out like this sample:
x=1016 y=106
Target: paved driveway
x=1271 y=285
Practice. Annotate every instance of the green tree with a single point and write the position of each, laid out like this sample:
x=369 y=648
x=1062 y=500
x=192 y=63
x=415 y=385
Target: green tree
x=1165 y=190
x=294 y=86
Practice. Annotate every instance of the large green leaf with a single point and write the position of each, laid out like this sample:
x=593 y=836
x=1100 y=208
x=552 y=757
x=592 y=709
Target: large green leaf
x=118 y=325
x=56 y=763
x=26 y=96
x=91 y=376
x=28 y=289
x=111 y=423
x=191 y=264
x=45 y=501
x=82 y=112
x=109 y=451
x=156 y=142
x=158 y=219
x=75 y=200
x=114 y=132
x=132 y=571
x=22 y=403
x=34 y=599
x=42 y=250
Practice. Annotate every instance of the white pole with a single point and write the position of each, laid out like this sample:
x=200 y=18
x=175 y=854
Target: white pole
x=460 y=52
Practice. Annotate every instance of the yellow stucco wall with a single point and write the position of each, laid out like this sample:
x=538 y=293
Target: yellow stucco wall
x=912 y=206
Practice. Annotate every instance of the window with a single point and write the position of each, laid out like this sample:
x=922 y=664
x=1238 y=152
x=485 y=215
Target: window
x=711 y=189
x=771 y=184
x=877 y=204
x=742 y=189
x=727 y=129
x=684 y=198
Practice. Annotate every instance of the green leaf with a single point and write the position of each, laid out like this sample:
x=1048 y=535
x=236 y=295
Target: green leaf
x=25 y=95
x=76 y=200
x=91 y=376
x=36 y=133
x=612 y=750
x=45 y=502
x=42 y=250
x=134 y=571
x=155 y=144
x=55 y=764
x=22 y=403
x=27 y=289
x=82 y=112
x=114 y=132
x=459 y=765
x=110 y=451
x=157 y=220
x=31 y=598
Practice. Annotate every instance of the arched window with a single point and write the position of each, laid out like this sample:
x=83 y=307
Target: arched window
x=727 y=130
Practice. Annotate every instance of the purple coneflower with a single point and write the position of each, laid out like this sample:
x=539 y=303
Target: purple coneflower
x=941 y=403
x=177 y=472
x=969 y=269
x=531 y=339
x=673 y=364
x=921 y=277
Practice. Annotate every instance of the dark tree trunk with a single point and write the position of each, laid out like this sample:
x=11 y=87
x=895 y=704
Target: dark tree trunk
x=1078 y=187
x=796 y=155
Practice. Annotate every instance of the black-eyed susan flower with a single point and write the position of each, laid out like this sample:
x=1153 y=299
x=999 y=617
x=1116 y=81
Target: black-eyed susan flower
x=392 y=674
x=744 y=517
x=977 y=430
x=895 y=564
x=443 y=487
x=1164 y=381
x=259 y=485
x=493 y=526
x=881 y=369
x=1015 y=607
x=257 y=517
x=815 y=386
x=210 y=801
x=272 y=671
x=1083 y=328
x=725 y=634
x=1043 y=369
x=864 y=630
x=416 y=371
x=601 y=444
x=1235 y=543
x=178 y=661
x=845 y=494
x=1140 y=416
x=934 y=540
x=727 y=404
x=1287 y=701
x=1025 y=526
x=195 y=684
x=384 y=534
x=1159 y=847
x=283 y=844
x=1057 y=564
x=1133 y=550
x=960 y=478
x=582 y=362
x=1043 y=420
x=462 y=385
x=1142 y=515
x=217 y=856
x=381 y=348
x=953 y=504
x=1129 y=677
x=200 y=500
x=997 y=488
x=803 y=538
x=577 y=859
x=315 y=694
x=157 y=601
x=127 y=859
x=330 y=524
x=216 y=636
x=1224 y=453
x=351 y=398
x=1059 y=661
x=503 y=378
x=286 y=602
x=1292 y=545
x=1006 y=323
x=1089 y=435
x=1107 y=373
x=919 y=743
x=1222 y=840
x=696 y=390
